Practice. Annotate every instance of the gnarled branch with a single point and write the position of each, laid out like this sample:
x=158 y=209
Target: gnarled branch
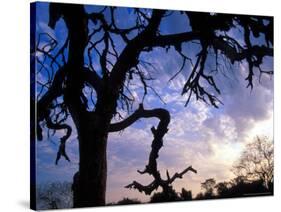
x=160 y=113
x=58 y=126
x=45 y=102
x=158 y=134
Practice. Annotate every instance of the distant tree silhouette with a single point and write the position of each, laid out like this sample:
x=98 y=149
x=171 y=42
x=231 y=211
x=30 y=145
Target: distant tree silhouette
x=200 y=196
x=240 y=187
x=185 y=195
x=253 y=170
x=165 y=196
x=93 y=35
x=55 y=195
x=256 y=162
x=224 y=189
x=208 y=186
x=171 y=195
x=127 y=201
x=237 y=187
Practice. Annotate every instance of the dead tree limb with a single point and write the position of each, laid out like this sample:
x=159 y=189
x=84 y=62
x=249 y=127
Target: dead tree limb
x=158 y=134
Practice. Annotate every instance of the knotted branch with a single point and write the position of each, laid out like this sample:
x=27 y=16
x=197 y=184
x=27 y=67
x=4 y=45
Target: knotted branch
x=157 y=142
x=57 y=126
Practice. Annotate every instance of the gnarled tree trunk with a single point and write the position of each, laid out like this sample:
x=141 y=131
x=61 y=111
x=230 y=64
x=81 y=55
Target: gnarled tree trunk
x=89 y=184
x=92 y=127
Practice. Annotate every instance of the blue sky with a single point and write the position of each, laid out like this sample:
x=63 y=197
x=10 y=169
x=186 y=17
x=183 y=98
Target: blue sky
x=209 y=139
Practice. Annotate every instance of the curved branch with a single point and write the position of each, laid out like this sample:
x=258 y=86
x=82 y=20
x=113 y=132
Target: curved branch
x=158 y=134
x=92 y=78
x=129 y=56
x=56 y=90
x=56 y=126
x=180 y=175
x=45 y=102
x=160 y=113
x=147 y=189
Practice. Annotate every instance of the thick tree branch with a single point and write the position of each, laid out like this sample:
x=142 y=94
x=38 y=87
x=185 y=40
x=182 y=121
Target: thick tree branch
x=174 y=39
x=92 y=78
x=165 y=184
x=180 y=175
x=158 y=134
x=129 y=56
x=147 y=189
x=160 y=113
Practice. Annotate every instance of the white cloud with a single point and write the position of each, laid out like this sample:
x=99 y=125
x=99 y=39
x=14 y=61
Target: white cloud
x=208 y=139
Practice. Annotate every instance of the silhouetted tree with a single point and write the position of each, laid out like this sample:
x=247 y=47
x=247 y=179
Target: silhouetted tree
x=185 y=195
x=127 y=201
x=208 y=186
x=224 y=189
x=54 y=195
x=171 y=195
x=92 y=35
x=239 y=187
x=253 y=170
x=236 y=187
x=165 y=196
x=200 y=196
x=256 y=162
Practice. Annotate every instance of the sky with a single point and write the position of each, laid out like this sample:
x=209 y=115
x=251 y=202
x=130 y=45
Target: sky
x=200 y=135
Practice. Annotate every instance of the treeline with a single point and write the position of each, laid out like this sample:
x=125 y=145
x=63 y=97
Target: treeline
x=236 y=187
x=253 y=177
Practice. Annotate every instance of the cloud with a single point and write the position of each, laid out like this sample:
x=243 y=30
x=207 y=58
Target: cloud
x=246 y=107
x=209 y=139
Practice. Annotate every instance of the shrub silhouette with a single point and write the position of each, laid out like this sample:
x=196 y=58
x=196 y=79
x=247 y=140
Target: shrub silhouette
x=127 y=201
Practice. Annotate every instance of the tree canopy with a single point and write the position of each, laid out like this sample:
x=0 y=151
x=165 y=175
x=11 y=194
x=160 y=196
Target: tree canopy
x=256 y=162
